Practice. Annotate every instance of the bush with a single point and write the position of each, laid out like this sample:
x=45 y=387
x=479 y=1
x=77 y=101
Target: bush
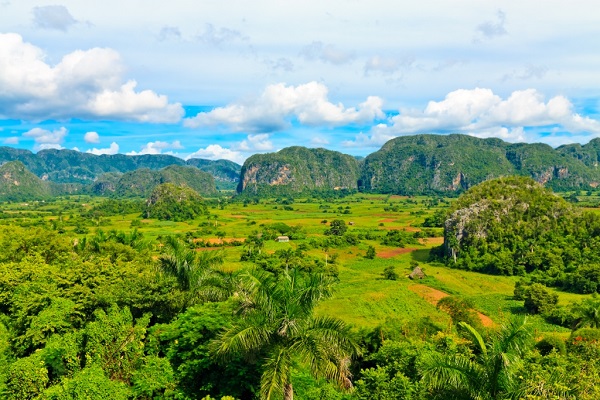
x=539 y=300
x=390 y=273
x=549 y=343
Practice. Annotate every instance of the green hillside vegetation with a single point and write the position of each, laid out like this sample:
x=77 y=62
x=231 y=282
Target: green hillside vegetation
x=514 y=226
x=97 y=302
x=448 y=164
x=141 y=182
x=174 y=203
x=295 y=170
x=70 y=166
x=17 y=183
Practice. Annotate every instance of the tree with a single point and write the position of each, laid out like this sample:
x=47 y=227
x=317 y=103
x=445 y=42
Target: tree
x=337 y=227
x=588 y=313
x=195 y=272
x=390 y=273
x=370 y=253
x=277 y=322
x=539 y=300
x=490 y=373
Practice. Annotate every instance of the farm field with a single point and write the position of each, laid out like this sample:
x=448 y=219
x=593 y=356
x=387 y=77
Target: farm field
x=363 y=298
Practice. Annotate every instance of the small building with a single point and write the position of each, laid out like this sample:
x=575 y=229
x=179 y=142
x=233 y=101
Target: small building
x=417 y=274
x=351 y=223
x=282 y=239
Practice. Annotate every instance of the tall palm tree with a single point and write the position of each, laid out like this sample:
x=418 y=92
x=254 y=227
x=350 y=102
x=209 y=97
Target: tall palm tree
x=490 y=373
x=277 y=322
x=195 y=272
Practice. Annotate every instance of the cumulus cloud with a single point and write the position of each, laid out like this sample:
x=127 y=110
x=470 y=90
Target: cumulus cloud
x=216 y=152
x=326 y=53
x=53 y=17
x=45 y=139
x=112 y=149
x=157 y=147
x=91 y=137
x=278 y=104
x=491 y=29
x=482 y=113
x=84 y=84
x=259 y=142
x=319 y=141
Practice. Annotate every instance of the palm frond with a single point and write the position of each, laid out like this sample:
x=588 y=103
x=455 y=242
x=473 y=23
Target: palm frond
x=276 y=375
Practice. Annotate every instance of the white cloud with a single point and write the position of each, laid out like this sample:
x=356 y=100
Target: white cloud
x=11 y=140
x=258 y=142
x=326 y=53
x=319 y=141
x=157 y=148
x=112 y=149
x=53 y=17
x=84 y=84
x=482 y=113
x=278 y=104
x=91 y=137
x=45 y=139
x=216 y=152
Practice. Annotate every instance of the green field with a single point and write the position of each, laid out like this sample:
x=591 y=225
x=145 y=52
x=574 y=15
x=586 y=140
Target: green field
x=362 y=298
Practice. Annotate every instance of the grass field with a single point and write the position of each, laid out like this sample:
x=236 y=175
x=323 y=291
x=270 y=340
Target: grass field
x=363 y=298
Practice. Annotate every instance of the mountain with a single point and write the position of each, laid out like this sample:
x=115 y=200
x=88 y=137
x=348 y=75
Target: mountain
x=225 y=172
x=175 y=203
x=17 y=183
x=142 y=181
x=424 y=164
x=296 y=170
x=70 y=166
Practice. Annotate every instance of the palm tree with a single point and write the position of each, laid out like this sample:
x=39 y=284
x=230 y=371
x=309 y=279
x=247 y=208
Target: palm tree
x=490 y=373
x=588 y=313
x=277 y=322
x=195 y=272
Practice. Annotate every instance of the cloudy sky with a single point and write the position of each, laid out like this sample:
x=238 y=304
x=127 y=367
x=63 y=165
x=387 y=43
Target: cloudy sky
x=230 y=78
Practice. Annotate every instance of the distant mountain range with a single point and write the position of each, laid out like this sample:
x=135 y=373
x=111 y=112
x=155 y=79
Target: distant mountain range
x=409 y=165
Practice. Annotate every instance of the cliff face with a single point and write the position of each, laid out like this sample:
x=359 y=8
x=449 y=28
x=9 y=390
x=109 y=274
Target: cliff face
x=296 y=170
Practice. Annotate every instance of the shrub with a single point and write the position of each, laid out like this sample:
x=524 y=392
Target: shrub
x=549 y=343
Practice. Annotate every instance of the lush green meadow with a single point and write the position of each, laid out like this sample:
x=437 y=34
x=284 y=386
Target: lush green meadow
x=363 y=297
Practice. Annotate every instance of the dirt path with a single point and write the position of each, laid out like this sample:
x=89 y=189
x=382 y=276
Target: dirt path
x=432 y=296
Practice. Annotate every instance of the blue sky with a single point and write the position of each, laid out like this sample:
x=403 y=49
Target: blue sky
x=227 y=79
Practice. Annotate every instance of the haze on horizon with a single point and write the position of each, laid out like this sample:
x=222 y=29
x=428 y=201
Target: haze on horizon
x=230 y=79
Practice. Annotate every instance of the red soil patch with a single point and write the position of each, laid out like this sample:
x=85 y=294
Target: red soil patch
x=394 y=252
x=432 y=296
x=434 y=240
x=225 y=240
x=387 y=220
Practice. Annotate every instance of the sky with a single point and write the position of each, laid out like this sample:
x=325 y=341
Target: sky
x=230 y=78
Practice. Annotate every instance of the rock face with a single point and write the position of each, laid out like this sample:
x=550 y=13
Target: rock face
x=444 y=164
x=297 y=170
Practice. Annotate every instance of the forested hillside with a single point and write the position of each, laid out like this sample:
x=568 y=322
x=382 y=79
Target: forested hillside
x=70 y=166
x=298 y=170
x=514 y=226
x=452 y=163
